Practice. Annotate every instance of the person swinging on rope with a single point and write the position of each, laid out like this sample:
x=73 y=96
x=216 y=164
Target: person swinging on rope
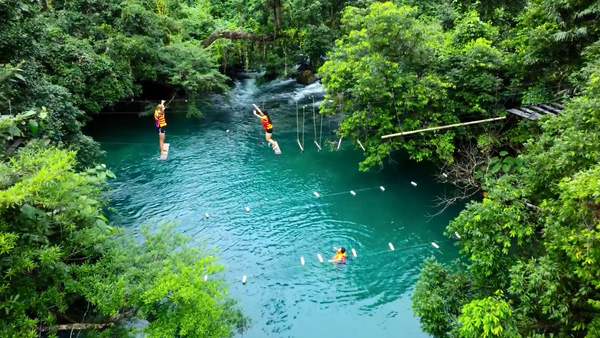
x=161 y=124
x=267 y=125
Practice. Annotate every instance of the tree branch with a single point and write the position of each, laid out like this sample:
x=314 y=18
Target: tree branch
x=237 y=35
x=91 y=326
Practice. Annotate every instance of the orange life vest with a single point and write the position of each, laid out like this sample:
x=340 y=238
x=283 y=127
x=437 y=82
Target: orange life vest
x=160 y=121
x=267 y=124
x=339 y=256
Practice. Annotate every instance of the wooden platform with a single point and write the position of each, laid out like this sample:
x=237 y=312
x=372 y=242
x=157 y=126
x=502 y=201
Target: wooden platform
x=164 y=157
x=536 y=111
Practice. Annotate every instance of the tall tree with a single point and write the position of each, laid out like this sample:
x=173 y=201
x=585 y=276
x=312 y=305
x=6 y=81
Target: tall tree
x=532 y=245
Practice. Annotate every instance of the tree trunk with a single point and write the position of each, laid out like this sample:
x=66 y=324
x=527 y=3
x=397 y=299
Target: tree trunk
x=91 y=326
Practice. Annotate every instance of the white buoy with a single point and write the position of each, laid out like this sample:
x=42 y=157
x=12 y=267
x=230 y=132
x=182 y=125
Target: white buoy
x=445 y=175
x=185 y=100
x=247 y=208
x=353 y=252
x=382 y=188
x=352 y=192
x=316 y=194
x=244 y=279
x=207 y=216
x=435 y=245
x=302 y=260
x=205 y=278
x=227 y=130
x=391 y=246
x=320 y=258
x=457 y=235
x=413 y=183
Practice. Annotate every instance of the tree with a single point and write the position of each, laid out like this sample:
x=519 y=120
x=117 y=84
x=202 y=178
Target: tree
x=534 y=237
x=396 y=69
x=63 y=267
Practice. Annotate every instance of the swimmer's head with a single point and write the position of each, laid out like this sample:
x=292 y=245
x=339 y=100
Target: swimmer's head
x=342 y=250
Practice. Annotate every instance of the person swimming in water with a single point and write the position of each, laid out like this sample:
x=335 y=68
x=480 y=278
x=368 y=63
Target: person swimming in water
x=340 y=256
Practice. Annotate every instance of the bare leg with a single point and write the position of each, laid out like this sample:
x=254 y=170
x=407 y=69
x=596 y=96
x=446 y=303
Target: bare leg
x=273 y=142
x=161 y=142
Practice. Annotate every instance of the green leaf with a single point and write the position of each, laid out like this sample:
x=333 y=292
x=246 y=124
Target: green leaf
x=503 y=153
x=14 y=130
x=496 y=168
x=33 y=127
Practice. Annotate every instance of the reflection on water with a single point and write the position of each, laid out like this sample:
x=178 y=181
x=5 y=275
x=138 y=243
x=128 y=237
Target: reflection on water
x=212 y=171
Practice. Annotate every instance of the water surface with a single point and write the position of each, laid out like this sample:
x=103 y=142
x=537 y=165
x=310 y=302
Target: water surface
x=210 y=170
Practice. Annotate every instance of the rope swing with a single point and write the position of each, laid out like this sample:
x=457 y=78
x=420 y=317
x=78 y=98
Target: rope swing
x=315 y=125
x=298 y=129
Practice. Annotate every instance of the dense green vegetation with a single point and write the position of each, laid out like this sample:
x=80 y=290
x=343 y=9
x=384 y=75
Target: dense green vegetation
x=530 y=247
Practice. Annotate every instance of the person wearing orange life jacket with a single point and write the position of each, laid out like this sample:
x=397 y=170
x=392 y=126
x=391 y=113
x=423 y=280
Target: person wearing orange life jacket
x=340 y=256
x=267 y=126
x=161 y=124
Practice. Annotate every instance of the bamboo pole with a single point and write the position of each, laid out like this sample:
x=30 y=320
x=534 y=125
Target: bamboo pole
x=443 y=127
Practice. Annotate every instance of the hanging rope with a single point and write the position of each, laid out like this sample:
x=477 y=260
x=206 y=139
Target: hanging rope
x=298 y=128
x=303 y=124
x=315 y=125
x=321 y=132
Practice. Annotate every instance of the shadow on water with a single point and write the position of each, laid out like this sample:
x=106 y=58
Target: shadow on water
x=222 y=173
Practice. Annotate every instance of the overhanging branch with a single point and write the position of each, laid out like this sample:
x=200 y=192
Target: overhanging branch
x=237 y=35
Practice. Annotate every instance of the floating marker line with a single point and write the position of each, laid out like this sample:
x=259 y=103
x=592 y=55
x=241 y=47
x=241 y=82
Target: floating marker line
x=294 y=266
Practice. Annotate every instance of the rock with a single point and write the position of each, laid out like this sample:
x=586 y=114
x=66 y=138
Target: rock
x=306 y=77
x=270 y=74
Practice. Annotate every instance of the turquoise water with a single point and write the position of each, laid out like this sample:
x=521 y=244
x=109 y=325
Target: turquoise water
x=210 y=170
